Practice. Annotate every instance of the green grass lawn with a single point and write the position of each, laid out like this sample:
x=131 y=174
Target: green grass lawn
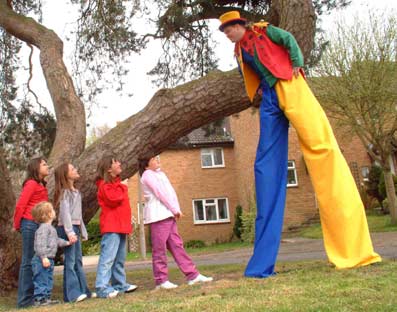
x=202 y=250
x=376 y=223
x=299 y=286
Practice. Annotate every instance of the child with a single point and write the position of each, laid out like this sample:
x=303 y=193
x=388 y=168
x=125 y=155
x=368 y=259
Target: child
x=46 y=243
x=115 y=224
x=70 y=226
x=34 y=191
x=161 y=211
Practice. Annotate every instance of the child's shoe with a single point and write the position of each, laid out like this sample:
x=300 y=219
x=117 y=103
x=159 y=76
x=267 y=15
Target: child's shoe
x=93 y=295
x=112 y=294
x=81 y=297
x=166 y=285
x=131 y=288
x=200 y=279
x=40 y=302
x=52 y=301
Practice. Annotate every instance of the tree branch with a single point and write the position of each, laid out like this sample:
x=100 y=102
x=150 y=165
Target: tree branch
x=31 y=76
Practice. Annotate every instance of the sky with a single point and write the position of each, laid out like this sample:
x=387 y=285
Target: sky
x=114 y=107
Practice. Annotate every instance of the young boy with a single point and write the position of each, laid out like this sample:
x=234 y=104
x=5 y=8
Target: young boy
x=46 y=243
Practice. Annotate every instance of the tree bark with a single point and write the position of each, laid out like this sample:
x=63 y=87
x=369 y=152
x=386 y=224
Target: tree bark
x=10 y=242
x=69 y=110
x=391 y=195
x=299 y=18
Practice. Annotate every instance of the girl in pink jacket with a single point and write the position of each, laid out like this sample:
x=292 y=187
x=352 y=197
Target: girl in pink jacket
x=161 y=212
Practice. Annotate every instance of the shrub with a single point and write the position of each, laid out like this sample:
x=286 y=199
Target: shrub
x=238 y=222
x=194 y=244
x=382 y=185
x=372 y=185
x=93 y=244
x=248 y=223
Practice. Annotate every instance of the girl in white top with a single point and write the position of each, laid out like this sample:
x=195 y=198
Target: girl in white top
x=161 y=212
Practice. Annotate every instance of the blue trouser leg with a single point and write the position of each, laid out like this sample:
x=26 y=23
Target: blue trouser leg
x=271 y=168
x=110 y=253
x=74 y=280
x=42 y=279
x=118 y=279
x=25 y=281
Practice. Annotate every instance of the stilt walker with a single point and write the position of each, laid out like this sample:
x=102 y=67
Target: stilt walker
x=270 y=62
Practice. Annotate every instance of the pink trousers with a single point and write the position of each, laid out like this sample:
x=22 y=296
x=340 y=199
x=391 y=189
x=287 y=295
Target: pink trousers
x=164 y=235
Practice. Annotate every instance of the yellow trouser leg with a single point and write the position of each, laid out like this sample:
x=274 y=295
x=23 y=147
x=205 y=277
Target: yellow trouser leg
x=344 y=224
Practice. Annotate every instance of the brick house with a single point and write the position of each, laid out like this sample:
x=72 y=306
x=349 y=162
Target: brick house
x=213 y=174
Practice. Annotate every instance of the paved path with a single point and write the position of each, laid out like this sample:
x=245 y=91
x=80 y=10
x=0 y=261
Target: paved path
x=294 y=249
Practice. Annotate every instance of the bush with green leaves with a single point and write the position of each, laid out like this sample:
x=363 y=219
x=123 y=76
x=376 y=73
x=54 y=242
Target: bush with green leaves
x=93 y=244
x=248 y=223
x=382 y=185
x=195 y=243
x=238 y=222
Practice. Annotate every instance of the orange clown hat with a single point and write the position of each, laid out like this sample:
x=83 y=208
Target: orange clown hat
x=231 y=18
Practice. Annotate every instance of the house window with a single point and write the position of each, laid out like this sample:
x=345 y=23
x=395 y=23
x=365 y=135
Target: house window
x=211 y=210
x=292 y=176
x=365 y=173
x=212 y=158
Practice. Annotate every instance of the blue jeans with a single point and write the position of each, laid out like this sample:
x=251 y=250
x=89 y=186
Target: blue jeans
x=271 y=168
x=25 y=280
x=111 y=265
x=42 y=279
x=74 y=281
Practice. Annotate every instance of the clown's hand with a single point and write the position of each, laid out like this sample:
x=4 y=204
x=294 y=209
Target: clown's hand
x=296 y=71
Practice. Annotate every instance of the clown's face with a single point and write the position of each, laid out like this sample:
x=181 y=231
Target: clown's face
x=234 y=32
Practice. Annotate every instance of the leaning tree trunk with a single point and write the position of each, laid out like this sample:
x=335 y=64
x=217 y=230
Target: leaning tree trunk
x=169 y=115
x=9 y=241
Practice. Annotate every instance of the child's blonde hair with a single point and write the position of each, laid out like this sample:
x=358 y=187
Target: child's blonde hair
x=42 y=212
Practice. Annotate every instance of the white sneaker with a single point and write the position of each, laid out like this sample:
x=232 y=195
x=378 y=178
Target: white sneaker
x=131 y=288
x=93 y=295
x=200 y=279
x=166 y=285
x=81 y=297
x=113 y=294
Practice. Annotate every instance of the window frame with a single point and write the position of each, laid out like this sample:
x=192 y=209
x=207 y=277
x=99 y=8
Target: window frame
x=212 y=153
x=293 y=167
x=217 y=221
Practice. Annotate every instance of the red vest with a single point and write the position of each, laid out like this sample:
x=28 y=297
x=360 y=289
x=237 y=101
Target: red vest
x=274 y=57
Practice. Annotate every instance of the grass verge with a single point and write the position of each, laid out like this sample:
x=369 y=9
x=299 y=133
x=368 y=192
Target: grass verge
x=299 y=286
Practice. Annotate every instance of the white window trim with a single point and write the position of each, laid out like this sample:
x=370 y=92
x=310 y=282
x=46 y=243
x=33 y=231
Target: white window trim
x=216 y=208
x=212 y=158
x=295 y=173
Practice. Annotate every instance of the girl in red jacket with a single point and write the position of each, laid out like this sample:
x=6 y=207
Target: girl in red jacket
x=115 y=225
x=33 y=192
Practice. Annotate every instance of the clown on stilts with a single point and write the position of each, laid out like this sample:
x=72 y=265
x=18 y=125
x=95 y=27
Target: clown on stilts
x=270 y=62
